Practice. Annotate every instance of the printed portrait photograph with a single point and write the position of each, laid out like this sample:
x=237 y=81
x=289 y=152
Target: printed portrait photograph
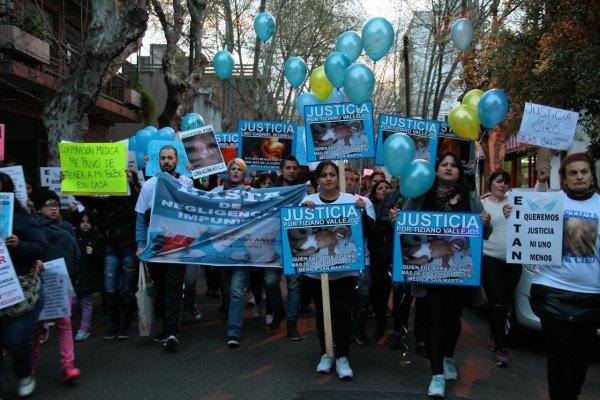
x=339 y=133
x=202 y=150
x=321 y=241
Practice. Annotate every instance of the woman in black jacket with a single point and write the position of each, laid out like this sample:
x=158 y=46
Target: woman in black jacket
x=25 y=244
x=443 y=304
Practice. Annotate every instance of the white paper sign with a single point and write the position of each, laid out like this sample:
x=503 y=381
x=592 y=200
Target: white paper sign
x=55 y=289
x=535 y=228
x=10 y=288
x=50 y=177
x=18 y=178
x=547 y=126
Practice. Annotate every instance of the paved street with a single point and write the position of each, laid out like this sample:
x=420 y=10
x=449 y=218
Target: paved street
x=270 y=366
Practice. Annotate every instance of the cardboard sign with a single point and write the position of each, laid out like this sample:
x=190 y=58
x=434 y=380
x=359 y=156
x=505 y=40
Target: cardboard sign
x=339 y=131
x=535 y=228
x=94 y=168
x=547 y=126
x=263 y=144
x=202 y=150
x=56 y=290
x=324 y=239
x=438 y=248
x=7 y=205
x=10 y=288
x=18 y=178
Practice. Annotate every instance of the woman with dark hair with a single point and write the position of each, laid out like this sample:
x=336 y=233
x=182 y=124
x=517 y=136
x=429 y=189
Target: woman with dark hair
x=26 y=244
x=381 y=282
x=377 y=193
x=566 y=296
x=498 y=278
x=341 y=284
x=443 y=304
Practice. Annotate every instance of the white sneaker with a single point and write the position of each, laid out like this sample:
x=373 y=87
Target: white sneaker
x=26 y=386
x=256 y=311
x=325 y=364
x=450 y=373
x=342 y=367
x=268 y=319
x=437 y=387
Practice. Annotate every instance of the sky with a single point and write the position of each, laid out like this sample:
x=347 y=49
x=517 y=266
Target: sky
x=389 y=9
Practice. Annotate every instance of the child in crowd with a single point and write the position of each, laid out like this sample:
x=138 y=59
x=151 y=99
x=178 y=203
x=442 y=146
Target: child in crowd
x=88 y=278
x=61 y=244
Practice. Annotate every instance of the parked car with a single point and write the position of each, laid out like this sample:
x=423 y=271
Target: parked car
x=521 y=312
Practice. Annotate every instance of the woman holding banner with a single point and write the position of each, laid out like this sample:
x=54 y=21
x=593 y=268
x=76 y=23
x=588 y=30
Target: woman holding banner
x=234 y=280
x=566 y=297
x=26 y=244
x=342 y=284
x=443 y=304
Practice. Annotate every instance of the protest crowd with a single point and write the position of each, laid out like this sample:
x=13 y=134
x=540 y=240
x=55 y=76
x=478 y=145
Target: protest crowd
x=103 y=238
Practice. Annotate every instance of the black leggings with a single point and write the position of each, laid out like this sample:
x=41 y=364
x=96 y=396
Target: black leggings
x=499 y=281
x=443 y=305
x=341 y=292
x=568 y=349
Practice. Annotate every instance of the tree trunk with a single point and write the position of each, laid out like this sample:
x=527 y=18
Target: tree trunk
x=114 y=27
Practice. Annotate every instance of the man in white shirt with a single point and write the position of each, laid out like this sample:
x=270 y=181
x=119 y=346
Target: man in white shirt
x=168 y=278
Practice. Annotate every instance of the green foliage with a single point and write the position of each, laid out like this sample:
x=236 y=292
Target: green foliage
x=148 y=107
x=551 y=59
x=31 y=23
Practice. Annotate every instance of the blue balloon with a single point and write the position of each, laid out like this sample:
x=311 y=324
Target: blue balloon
x=191 y=121
x=143 y=137
x=350 y=44
x=359 y=83
x=151 y=129
x=166 y=133
x=336 y=65
x=336 y=96
x=139 y=159
x=377 y=37
x=305 y=99
x=264 y=26
x=461 y=33
x=223 y=63
x=132 y=146
x=417 y=180
x=492 y=108
x=398 y=153
x=295 y=71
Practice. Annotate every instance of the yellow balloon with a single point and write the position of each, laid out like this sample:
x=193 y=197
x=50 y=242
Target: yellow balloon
x=464 y=122
x=472 y=97
x=319 y=84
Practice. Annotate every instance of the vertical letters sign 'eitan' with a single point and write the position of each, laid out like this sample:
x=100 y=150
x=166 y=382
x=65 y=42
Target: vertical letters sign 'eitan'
x=94 y=168
x=535 y=228
x=547 y=126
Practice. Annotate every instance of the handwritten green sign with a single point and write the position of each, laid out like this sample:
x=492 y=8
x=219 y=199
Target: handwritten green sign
x=94 y=168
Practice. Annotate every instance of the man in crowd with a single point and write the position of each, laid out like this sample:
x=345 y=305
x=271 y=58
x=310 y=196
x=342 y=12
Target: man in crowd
x=168 y=278
x=290 y=175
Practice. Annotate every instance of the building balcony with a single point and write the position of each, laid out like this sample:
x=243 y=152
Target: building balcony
x=14 y=38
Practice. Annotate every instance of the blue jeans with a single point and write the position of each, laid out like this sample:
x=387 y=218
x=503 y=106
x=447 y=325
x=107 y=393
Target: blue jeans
x=361 y=301
x=272 y=284
x=235 y=316
x=16 y=336
x=120 y=272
